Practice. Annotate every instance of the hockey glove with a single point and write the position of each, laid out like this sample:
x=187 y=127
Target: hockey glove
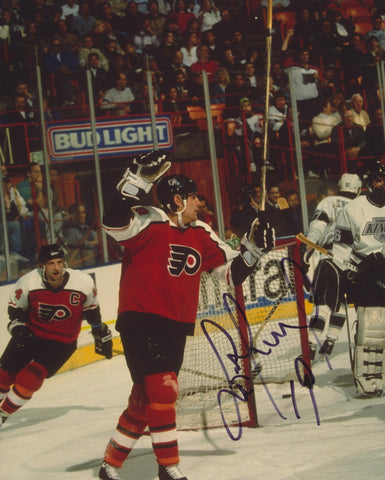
x=103 y=339
x=371 y=271
x=20 y=332
x=262 y=234
x=145 y=170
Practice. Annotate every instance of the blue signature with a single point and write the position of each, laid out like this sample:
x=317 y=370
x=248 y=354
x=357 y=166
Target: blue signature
x=240 y=386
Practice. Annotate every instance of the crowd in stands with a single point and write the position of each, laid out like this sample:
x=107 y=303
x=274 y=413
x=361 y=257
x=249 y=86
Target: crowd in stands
x=332 y=53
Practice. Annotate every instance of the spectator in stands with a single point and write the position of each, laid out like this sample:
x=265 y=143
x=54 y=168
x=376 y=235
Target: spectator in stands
x=15 y=209
x=195 y=95
x=181 y=84
x=166 y=50
x=279 y=213
x=62 y=67
x=81 y=240
x=145 y=40
x=353 y=139
x=293 y=201
x=19 y=113
x=189 y=49
x=69 y=42
x=322 y=126
x=105 y=14
x=353 y=64
x=224 y=29
x=206 y=212
x=237 y=90
x=142 y=100
x=220 y=83
x=32 y=190
x=326 y=47
x=249 y=204
x=86 y=49
x=216 y=50
x=247 y=147
x=133 y=18
x=204 y=63
x=360 y=116
x=83 y=23
x=209 y=15
x=251 y=74
x=329 y=83
x=99 y=77
x=306 y=80
x=305 y=28
x=377 y=31
x=342 y=28
x=374 y=55
x=280 y=78
x=119 y=98
x=157 y=20
x=374 y=136
x=238 y=47
x=277 y=116
x=32 y=40
x=230 y=63
x=69 y=10
x=176 y=106
x=181 y=15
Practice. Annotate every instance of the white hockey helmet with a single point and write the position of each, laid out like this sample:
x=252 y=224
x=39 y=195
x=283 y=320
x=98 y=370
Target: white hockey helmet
x=351 y=183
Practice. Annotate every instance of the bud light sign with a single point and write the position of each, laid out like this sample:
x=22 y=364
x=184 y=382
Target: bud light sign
x=74 y=140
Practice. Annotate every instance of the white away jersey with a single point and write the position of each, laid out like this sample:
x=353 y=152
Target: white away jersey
x=162 y=264
x=55 y=314
x=321 y=228
x=360 y=230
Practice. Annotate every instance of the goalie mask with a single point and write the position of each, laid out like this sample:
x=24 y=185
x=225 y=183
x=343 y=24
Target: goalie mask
x=350 y=183
x=173 y=185
x=376 y=183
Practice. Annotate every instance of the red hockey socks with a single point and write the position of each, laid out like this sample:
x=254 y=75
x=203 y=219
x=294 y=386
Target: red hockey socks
x=27 y=382
x=162 y=392
x=130 y=427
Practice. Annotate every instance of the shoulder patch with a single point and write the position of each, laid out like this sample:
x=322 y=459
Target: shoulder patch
x=141 y=211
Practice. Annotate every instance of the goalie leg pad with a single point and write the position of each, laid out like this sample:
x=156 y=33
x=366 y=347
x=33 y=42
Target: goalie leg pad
x=369 y=352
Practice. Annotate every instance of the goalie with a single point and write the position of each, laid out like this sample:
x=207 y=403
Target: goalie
x=165 y=251
x=326 y=316
x=359 y=242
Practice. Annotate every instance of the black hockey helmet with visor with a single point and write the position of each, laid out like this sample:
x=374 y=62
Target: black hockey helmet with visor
x=376 y=183
x=173 y=185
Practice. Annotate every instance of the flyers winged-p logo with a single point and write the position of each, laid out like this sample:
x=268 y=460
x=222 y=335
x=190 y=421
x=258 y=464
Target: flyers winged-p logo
x=56 y=313
x=183 y=259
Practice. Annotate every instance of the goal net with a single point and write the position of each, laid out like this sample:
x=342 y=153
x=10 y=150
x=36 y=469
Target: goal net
x=253 y=334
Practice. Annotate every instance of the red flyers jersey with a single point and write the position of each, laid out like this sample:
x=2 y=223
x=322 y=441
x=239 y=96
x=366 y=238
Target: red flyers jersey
x=162 y=264
x=55 y=314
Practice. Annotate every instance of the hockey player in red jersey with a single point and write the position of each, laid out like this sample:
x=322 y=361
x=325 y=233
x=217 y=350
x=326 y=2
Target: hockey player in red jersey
x=358 y=250
x=46 y=309
x=165 y=251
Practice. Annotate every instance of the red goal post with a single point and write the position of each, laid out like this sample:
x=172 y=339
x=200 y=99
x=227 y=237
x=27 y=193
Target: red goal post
x=245 y=336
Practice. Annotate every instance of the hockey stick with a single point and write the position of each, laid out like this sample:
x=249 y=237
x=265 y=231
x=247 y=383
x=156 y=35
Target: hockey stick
x=349 y=337
x=269 y=35
x=301 y=237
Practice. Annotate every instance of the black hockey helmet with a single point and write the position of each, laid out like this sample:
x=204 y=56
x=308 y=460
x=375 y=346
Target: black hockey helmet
x=377 y=191
x=174 y=185
x=50 y=252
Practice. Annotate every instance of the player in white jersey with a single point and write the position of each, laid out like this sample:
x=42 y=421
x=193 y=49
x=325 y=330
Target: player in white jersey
x=321 y=232
x=46 y=308
x=165 y=251
x=358 y=250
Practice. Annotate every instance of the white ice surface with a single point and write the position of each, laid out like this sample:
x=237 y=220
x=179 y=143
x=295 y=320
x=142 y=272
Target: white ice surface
x=62 y=432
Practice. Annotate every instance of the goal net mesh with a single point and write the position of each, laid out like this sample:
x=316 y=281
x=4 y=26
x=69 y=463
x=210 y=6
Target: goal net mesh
x=240 y=339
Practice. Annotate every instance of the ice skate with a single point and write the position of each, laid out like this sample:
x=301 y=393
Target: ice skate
x=327 y=347
x=108 y=472
x=170 y=472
